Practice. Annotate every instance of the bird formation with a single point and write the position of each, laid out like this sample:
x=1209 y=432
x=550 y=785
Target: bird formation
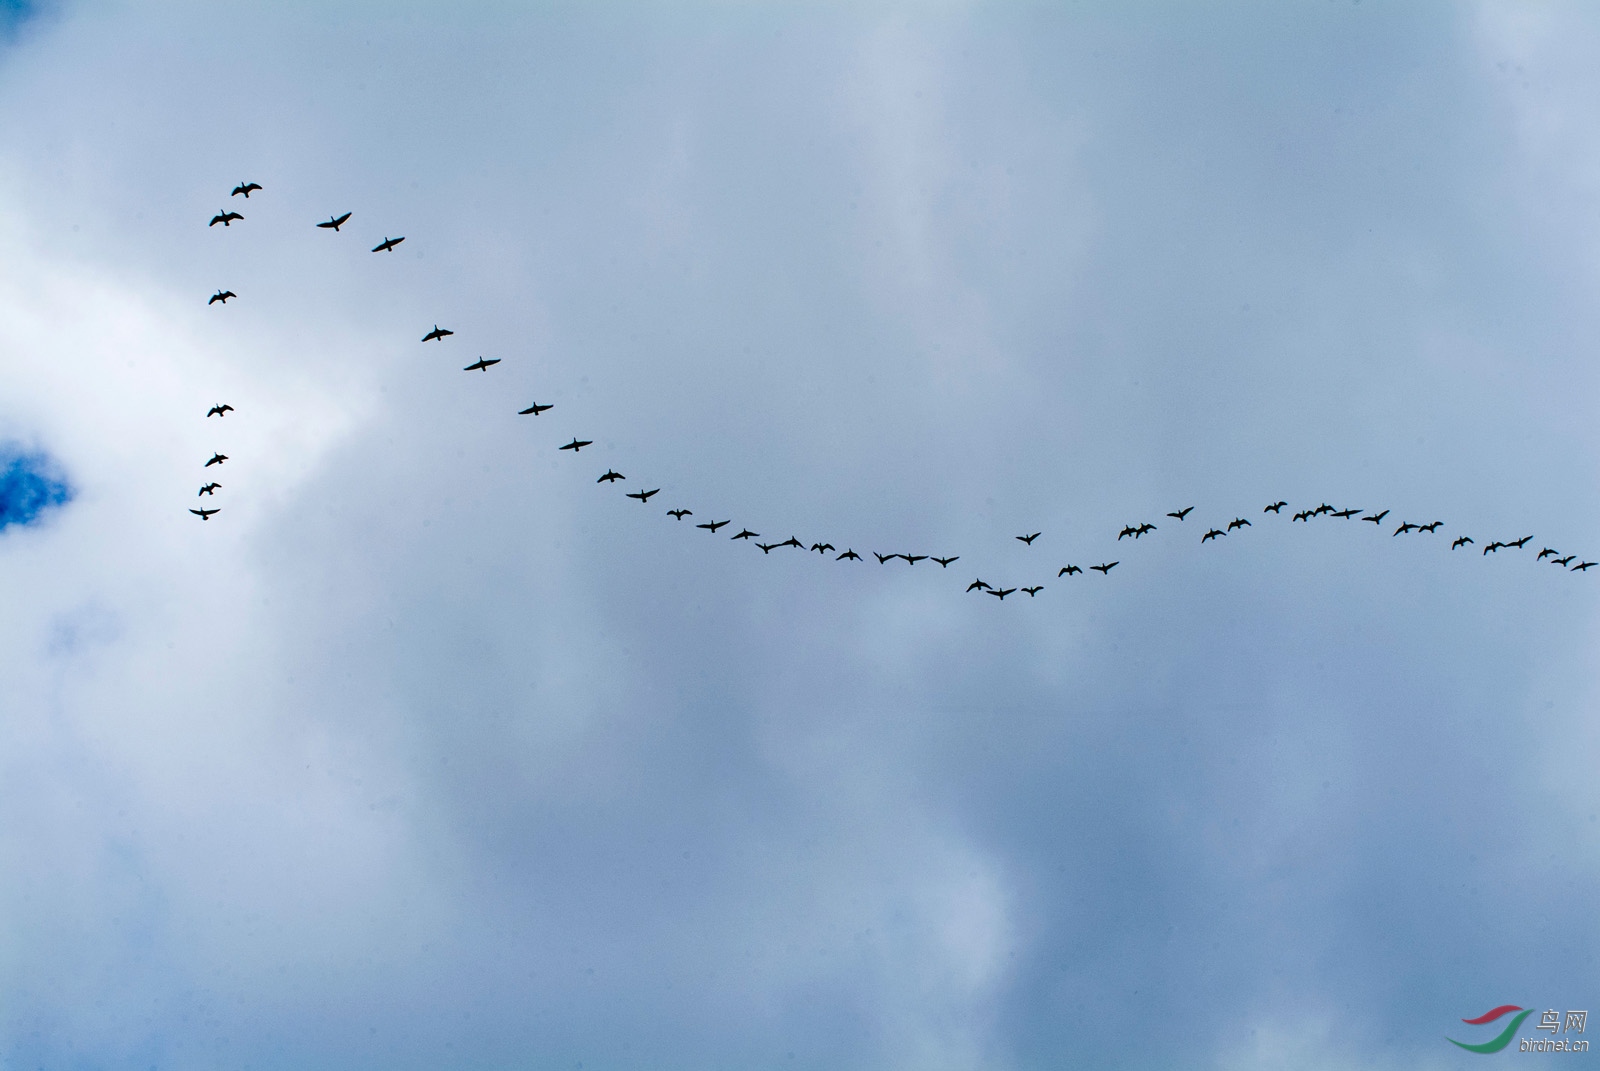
x=1137 y=531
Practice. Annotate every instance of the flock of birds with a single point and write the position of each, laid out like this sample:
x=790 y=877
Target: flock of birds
x=1570 y=562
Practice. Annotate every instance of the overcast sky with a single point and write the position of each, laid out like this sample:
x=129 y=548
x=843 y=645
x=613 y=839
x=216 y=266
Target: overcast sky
x=430 y=751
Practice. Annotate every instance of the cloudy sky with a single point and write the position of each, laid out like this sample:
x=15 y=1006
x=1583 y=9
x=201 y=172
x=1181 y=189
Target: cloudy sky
x=428 y=751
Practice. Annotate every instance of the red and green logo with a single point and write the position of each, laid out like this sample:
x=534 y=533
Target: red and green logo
x=1505 y=1036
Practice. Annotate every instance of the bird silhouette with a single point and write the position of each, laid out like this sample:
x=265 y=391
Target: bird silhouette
x=224 y=217
x=1106 y=568
x=482 y=364
x=1034 y=590
x=208 y=489
x=680 y=514
x=822 y=548
x=244 y=188
x=216 y=459
x=535 y=409
x=745 y=533
x=912 y=559
x=335 y=222
x=1562 y=561
x=1213 y=534
x=1182 y=513
x=1346 y=513
x=1028 y=539
x=388 y=244
x=1324 y=508
x=1303 y=515
x=205 y=514
x=611 y=477
x=767 y=548
x=1495 y=546
x=1377 y=518
x=642 y=495
x=437 y=334
x=852 y=555
x=712 y=526
x=1068 y=570
x=578 y=444
x=792 y=542
x=1127 y=530
x=882 y=558
x=1238 y=522
x=1434 y=527
x=219 y=410
x=1583 y=567
x=1406 y=527
x=944 y=563
x=222 y=296
x=1142 y=529
x=1461 y=541
x=1275 y=507
x=1519 y=543
x=979 y=585
x=1547 y=552
x=1000 y=594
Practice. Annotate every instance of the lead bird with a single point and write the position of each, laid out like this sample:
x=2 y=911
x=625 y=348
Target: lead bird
x=335 y=222
x=222 y=296
x=535 y=409
x=225 y=218
x=438 y=333
x=244 y=188
x=643 y=496
x=578 y=444
x=388 y=244
x=482 y=364
x=219 y=410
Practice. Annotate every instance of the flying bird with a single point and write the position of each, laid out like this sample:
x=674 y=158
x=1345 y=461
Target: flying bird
x=1324 y=508
x=792 y=542
x=438 y=333
x=1274 y=508
x=1461 y=541
x=578 y=444
x=1562 y=561
x=1142 y=529
x=1238 y=522
x=205 y=514
x=244 y=188
x=1431 y=528
x=388 y=244
x=882 y=558
x=219 y=410
x=611 y=477
x=712 y=526
x=1182 y=513
x=822 y=548
x=1068 y=570
x=1583 y=567
x=944 y=563
x=1034 y=590
x=222 y=296
x=1406 y=527
x=1127 y=530
x=912 y=559
x=1377 y=518
x=766 y=548
x=1303 y=515
x=1546 y=552
x=1213 y=534
x=1028 y=539
x=482 y=364
x=335 y=222
x=852 y=555
x=1520 y=543
x=1001 y=594
x=643 y=496
x=1495 y=546
x=209 y=488
x=745 y=533
x=224 y=217
x=535 y=409
x=216 y=459
x=1106 y=568
x=680 y=514
x=978 y=584
x=1346 y=513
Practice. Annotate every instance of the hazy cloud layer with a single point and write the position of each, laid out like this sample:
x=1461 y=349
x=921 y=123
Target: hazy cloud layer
x=428 y=750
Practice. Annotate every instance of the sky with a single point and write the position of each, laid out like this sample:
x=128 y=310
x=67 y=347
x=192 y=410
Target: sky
x=430 y=751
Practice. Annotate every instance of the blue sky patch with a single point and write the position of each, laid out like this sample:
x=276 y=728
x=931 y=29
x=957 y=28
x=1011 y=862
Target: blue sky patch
x=28 y=487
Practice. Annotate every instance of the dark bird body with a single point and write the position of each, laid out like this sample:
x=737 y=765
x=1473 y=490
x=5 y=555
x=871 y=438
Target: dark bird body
x=767 y=548
x=1238 y=522
x=1214 y=533
x=1182 y=513
x=1495 y=546
x=1406 y=527
x=1461 y=542
x=979 y=585
x=1275 y=507
x=1028 y=539
x=222 y=296
x=1033 y=590
x=1562 y=561
x=219 y=410
x=1583 y=567
x=1547 y=552
x=642 y=495
x=244 y=188
x=792 y=542
x=1434 y=527
x=680 y=514
x=209 y=488
x=535 y=409
x=335 y=222
x=944 y=563
x=912 y=559
x=482 y=364
x=745 y=533
x=822 y=548
x=1377 y=518
x=1106 y=568
x=1000 y=594
x=205 y=514
x=437 y=334
x=225 y=218
x=578 y=444
x=216 y=459
x=1519 y=543
x=388 y=244
x=712 y=526
x=1303 y=515
x=882 y=558
x=1346 y=513
x=611 y=477
x=1068 y=570
x=852 y=555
